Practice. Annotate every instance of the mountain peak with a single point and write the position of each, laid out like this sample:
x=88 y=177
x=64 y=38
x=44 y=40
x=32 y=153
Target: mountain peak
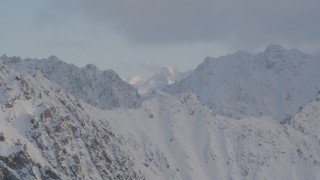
x=242 y=84
x=275 y=52
x=103 y=89
x=165 y=76
x=54 y=59
x=91 y=67
x=168 y=71
x=275 y=47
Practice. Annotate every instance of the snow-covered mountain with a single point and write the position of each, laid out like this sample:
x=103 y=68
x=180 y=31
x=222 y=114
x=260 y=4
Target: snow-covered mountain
x=275 y=82
x=166 y=76
x=103 y=89
x=47 y=133
x=183 y=139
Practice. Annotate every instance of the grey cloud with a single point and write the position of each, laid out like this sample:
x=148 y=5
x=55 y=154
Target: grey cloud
x=57 y=12
x=245 y=22
x=46 y=18
x=69 y=44
x=149 y=67
x=137 y=66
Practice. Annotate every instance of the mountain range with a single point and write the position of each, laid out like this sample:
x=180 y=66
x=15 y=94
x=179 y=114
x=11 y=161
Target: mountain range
x=239 y=116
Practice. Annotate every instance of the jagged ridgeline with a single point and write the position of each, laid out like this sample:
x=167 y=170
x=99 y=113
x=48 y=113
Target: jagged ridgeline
x=50 y=129
x=102 y=89
x=276 y=82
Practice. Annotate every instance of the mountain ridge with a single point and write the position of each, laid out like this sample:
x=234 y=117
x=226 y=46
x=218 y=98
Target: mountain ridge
x=242 y=84
x=104 y=89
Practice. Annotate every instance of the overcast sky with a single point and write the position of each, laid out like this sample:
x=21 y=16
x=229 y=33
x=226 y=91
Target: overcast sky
x=139 y=36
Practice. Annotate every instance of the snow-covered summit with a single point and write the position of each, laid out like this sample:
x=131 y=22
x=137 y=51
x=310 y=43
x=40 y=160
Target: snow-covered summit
x=275 y=49
x=164 y=77
x=275 y=82
x=103 y=89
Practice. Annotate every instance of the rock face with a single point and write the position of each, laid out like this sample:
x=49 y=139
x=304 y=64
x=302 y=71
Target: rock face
x=2 y=137
x=103 y=89
x=275 y=82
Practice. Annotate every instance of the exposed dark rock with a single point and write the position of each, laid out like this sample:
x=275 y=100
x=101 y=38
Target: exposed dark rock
x=2 y=137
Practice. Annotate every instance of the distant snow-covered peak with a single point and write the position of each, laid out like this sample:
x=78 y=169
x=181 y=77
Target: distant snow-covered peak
x=168 y=74
x=168 y=71
x=275 y=48
x=275 y=82
x=164 y=77
x=135 y=80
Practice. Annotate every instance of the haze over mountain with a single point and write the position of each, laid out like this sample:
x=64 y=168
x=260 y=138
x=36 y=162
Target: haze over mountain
x=164 y=77
x=214 y=123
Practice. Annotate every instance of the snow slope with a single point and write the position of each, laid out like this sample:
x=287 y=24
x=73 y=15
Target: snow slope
x=103 y=89
x=275 y=82
x=49 y=134
x=183 y=139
